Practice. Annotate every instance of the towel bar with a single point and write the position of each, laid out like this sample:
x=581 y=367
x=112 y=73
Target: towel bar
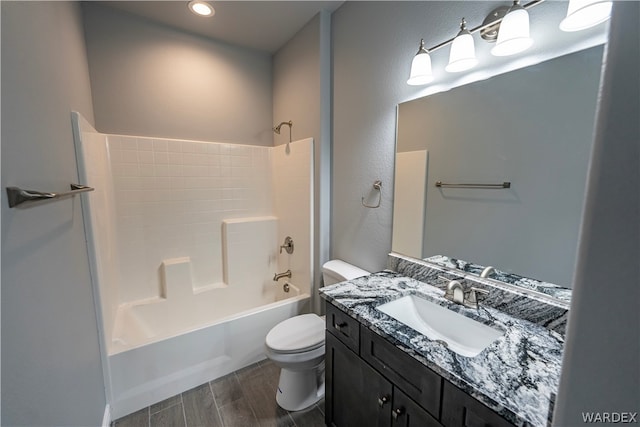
x=18 y=195
x=505 y=184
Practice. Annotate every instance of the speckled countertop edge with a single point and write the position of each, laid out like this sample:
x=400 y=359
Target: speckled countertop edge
x=516 y=376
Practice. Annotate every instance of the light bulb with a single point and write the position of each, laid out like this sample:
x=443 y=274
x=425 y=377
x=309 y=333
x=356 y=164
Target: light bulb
x=463 y=52
x=420 y=68
x=513 y=35
x=201 y=8
x=582 y=14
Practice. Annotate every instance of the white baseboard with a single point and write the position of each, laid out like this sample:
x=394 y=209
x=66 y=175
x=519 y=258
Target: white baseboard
x=106 y=418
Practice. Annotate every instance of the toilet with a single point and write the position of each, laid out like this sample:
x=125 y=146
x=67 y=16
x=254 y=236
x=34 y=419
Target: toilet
x=296 y=345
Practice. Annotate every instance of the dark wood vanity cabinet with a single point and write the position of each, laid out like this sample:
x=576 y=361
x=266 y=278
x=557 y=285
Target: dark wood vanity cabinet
x=357 y=395
x=371 y=383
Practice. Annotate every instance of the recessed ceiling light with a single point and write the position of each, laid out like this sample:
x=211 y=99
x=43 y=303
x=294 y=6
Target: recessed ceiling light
x=201 y=8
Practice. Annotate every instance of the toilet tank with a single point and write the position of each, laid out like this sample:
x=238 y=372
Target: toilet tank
x=336 y=271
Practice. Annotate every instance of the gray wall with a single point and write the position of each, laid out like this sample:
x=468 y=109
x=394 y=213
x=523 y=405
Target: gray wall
x=536 y=135
x=301 y=93
x=601 y=370
x=51 y=368
x=148 y=79
x=373 y=44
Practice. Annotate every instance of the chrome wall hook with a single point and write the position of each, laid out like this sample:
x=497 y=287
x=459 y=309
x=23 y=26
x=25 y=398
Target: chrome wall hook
x=377 y=185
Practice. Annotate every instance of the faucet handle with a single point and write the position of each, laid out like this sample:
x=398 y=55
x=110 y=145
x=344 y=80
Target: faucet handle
x=288 y=245
x=471 y=298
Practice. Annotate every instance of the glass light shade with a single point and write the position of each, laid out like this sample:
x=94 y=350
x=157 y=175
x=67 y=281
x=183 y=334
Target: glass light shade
x=421 y=73
x=463 y=53
x=582 y=14
x=513 y=35
x=201 y=8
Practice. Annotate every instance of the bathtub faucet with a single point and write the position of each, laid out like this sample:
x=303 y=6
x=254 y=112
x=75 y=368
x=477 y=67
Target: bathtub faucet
x=279 y=276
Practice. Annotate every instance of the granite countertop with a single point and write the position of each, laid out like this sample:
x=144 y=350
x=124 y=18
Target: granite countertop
x=517 y=376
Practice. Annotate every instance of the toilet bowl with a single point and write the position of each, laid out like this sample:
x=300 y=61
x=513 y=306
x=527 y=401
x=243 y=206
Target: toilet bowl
x=296 y=345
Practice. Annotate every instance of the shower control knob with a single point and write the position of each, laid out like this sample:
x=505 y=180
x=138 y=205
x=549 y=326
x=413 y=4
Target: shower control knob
x=288 y=245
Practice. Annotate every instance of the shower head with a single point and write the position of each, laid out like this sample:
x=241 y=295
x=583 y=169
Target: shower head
x=276 y=129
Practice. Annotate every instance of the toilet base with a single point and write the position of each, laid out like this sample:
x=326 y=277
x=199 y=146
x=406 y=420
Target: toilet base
x=298 y=390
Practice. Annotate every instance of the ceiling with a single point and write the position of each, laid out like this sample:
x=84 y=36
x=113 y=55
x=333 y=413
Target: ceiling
x=261 y=25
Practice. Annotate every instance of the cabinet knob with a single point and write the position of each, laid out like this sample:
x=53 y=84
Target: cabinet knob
x=382 y=400
x=397 y=412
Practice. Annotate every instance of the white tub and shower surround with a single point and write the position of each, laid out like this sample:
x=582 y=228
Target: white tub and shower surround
x=292 y=169
x=171 y=198
x=185 y=238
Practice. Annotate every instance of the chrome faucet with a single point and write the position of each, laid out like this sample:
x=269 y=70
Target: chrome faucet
x=457 y=293
x=487 y=271
x=279 y=276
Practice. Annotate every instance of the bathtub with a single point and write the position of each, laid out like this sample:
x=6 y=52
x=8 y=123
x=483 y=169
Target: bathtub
x=149 y=362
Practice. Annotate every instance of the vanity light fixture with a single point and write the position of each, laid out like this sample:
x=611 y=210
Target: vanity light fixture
x=512 y=39
x=463 y=51
x=583 y=14
x=201 y=8
x=421 y=73
x=513 y=36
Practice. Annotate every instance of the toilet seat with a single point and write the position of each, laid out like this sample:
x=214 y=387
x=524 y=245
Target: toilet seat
x=297 y=334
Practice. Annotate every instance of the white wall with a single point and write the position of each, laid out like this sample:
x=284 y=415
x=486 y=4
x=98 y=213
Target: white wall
x=51 y=368
x=296 y=84
x=302 y=94
x=373 y=45
x=601 y=372
x=148 y=79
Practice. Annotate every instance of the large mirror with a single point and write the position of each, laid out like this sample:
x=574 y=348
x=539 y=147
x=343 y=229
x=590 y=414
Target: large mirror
x=532 y=129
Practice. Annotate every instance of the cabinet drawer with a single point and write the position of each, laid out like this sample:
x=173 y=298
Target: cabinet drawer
x=345 y=328
x=419 y=382
x=461 y=410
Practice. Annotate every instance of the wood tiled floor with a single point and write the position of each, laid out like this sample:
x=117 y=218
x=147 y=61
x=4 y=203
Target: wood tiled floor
x=245 y=398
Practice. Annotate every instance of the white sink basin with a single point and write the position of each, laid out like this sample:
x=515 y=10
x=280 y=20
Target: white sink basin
x=461 y=334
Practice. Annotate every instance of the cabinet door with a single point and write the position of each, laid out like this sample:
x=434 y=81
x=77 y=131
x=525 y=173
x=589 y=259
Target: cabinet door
x=461 y=410
x=406 y=413
x=356 y=395
x=420 y=383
